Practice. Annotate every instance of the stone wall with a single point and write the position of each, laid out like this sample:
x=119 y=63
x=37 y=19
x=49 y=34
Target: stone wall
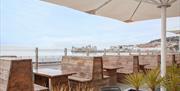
x=4 y=74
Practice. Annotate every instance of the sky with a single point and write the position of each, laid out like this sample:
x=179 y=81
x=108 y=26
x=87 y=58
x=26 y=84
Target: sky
x=34 y=23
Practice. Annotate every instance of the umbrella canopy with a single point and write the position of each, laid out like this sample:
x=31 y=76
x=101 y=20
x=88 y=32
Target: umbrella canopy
x=123 y=10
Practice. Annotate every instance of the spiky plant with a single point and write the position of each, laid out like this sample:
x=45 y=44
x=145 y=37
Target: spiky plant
x=135 y=80
x=153 y=79
x=172 y=79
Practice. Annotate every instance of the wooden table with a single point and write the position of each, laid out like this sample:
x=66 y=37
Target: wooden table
x=142 y=67
x=111 y=71
x=54 y=79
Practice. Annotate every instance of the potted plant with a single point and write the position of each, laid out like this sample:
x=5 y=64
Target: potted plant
x=135 y=80
x=153 y=79
x=172 y=81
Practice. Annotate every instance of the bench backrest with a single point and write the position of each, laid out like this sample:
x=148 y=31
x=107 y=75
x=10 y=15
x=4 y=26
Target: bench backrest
x=16 y=75
x=86 y=67
x=129 y=63
x=97 y=68
x=153 y=61
x=170 y=60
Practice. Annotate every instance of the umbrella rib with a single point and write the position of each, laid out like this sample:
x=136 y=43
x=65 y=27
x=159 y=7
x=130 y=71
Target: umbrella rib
x=105 y=3
x=135 y=10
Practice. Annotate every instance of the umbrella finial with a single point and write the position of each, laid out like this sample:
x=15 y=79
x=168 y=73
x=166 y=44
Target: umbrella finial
x=91 y=11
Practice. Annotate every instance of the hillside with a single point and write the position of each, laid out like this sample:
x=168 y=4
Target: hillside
x=172 y=42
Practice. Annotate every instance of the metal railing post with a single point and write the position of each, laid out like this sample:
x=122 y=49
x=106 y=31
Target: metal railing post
x=105 y=52
x=148 y=53
x=87 y=53
x=118 y=52
x=65 y=51
x=140 y=53
x=37 y=56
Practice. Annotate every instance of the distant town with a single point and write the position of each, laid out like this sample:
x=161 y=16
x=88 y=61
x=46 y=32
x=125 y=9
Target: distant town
x=154 y=45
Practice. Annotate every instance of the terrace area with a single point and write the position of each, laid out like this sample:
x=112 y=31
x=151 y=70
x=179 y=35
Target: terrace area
x=79 y=73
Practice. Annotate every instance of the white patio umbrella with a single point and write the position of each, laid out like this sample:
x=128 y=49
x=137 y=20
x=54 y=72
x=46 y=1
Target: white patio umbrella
x=129 y=11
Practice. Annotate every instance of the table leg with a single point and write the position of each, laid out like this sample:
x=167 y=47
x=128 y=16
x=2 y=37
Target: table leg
x=142 y=68
x=113 y=76
x=59 y=83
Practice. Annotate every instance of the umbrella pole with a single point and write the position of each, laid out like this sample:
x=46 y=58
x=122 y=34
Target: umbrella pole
x=179 y=43
x=163 y=43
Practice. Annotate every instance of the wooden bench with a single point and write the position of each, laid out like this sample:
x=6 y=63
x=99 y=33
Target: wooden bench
x=16 y=75
x=129 y=64
x=153 y=61
x=171 y=59
x=89 y=72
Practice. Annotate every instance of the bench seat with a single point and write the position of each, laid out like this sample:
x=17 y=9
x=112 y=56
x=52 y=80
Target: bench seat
x=79 y=79
x=82 y=79
x=39 y=88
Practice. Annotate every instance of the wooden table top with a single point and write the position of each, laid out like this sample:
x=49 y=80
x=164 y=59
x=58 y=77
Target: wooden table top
x=111 y=67
x=47 y=72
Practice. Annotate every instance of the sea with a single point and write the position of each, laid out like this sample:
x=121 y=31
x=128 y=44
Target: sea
x=49 y=55
x=44 y=55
